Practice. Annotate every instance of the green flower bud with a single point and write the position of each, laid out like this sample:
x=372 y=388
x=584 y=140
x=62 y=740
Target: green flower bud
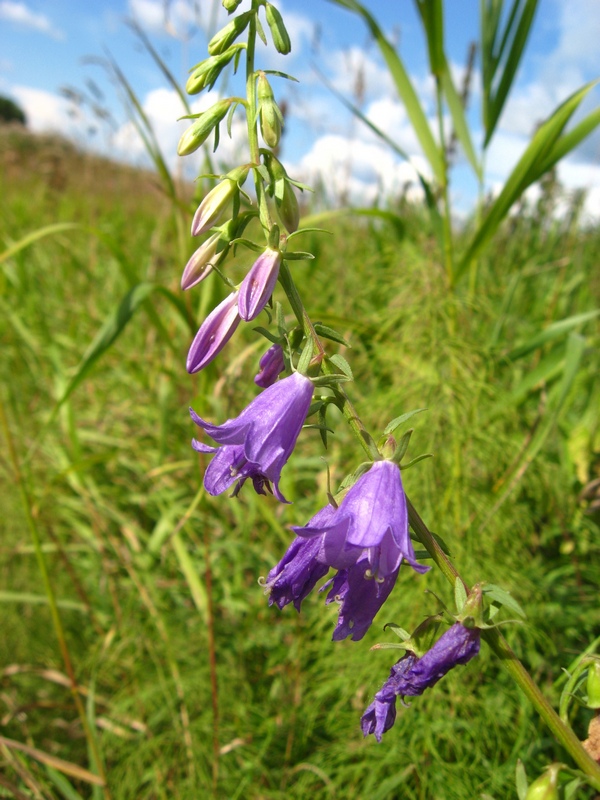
x=271 y=118
x=545 y=787
x=227 y=35
x=287 y=206
x=199 y=132
x=281 y=39
x=231 y=5
x=285 y=197
x=593 y=685
x=206 y=73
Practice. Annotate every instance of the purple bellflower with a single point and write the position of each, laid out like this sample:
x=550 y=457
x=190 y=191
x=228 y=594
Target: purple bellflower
x=365 y=539
x=270 y=365
x=258 y=443
x=214 y=333
x=410 y=676
x=257 y=287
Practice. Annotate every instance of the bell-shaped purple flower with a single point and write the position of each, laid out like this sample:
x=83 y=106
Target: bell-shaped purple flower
x=270 y=365
x=410 y=676
x=298 y=571
x=257 y=287
x=258 y=443
x=214 y=333
x=371 y=523
x=360 y=595
x=365 y=539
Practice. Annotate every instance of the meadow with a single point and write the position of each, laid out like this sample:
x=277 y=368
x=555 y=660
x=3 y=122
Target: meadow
x=161 y=666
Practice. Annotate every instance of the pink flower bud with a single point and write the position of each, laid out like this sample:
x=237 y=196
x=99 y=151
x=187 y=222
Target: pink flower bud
x=257 y=287
x=201 y=263
x=216 y=330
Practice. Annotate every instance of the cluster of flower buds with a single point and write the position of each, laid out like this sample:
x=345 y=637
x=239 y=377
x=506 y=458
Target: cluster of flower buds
x=250 y=297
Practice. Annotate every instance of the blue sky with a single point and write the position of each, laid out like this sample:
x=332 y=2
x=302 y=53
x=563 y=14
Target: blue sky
x=47 y=46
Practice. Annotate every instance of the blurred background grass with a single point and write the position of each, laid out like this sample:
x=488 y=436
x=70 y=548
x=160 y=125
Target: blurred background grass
x=137 y=558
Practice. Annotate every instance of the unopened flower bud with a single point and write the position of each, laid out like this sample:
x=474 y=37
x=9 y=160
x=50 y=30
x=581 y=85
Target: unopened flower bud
x=257 y=287
x=201 y=263
x=214 y=204
x=287 y=206
x=593 y=685
x=271 y=118
x=231 y=5
x=227 y=35
x=545 y=787
x=198 y=133
x=281 y=39
x=206 y=73
x=214 y=333
x=270 y=365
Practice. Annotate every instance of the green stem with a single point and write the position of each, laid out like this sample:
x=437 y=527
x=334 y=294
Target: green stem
x=251 y=119
x=52 y=604
x=448 y=248
x=509 y=660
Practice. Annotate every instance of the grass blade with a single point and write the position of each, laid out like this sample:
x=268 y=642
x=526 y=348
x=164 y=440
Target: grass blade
x=459 y=121
x=67 y=767
x=526 y=172
x=40 y=233
x=404 y=87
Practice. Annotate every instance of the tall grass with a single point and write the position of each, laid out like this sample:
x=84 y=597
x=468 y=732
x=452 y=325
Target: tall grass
x=139 y=562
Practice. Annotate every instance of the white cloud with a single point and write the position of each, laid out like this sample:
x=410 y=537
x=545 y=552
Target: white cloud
x=163 y=108
x=178 y=18
x=46 y=112
x=20 y=14
x=359 y=171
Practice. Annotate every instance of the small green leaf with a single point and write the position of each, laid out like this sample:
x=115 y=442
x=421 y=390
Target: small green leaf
x=395 y=423
x=460 y=595
x=330 y=333
x=305 y=357
x=341 y=363
x=504 y=598
x=521 y=780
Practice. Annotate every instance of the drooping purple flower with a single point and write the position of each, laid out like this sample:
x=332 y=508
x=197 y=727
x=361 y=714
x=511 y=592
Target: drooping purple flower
x=214 y=333
x=257 y=287
x=258 y=442
x=360 y=595
x=296 y=575
x=410 y=676
x=365 y=539
x=270 y=365
x=371 y=522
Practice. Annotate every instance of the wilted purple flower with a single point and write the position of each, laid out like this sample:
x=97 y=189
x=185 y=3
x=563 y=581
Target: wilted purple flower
x=257 y=287
x=214 y=333
x=270 y=364
x=365 y=539
x=258 y=443
x=201 y=262
x=411 y=675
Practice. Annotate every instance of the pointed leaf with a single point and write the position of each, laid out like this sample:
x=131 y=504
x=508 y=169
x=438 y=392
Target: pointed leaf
x=524 y=174
x=404 y=87
x=459 y=121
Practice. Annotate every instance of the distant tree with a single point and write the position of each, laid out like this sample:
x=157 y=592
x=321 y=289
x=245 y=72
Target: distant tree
x=11 y=112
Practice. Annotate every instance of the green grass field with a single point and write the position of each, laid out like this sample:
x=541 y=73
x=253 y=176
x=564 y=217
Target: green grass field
x=147 y=570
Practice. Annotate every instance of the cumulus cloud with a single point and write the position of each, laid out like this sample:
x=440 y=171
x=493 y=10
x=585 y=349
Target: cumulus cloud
x=163 y=108
x=358 y=171
x=49 y=112
x=20 y=14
